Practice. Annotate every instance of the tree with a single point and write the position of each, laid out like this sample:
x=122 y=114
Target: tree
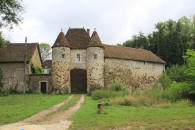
x=45 y=51
x=169 y=41
x=9 y=15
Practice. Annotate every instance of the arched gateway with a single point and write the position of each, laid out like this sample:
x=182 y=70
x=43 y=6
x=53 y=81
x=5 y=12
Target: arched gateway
x=78 y=81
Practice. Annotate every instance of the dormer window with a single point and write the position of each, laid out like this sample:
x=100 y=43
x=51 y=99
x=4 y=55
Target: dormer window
x=95 y=56
x=78 y=57
x=63 y=56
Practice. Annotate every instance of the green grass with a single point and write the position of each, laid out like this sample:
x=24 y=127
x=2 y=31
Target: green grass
x=20 y=106
x=116 y=116
x=64 y=107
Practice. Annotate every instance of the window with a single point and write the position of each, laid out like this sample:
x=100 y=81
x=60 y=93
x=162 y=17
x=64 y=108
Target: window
x=78 y=57
x=63 y=55
x=95 y=56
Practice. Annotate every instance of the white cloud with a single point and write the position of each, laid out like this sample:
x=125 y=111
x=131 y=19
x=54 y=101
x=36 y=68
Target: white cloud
x=115 y=20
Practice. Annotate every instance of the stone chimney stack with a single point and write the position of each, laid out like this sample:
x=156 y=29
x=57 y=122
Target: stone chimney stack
x=88 y=31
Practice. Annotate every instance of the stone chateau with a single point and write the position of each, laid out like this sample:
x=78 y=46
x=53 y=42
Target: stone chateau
x=80 y=63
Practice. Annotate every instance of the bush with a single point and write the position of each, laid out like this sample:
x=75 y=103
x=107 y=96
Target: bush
x=36 y=70
x=165 y=81
x=177 y=73
x=100 y=94
x=116 y=86
x=176 y=91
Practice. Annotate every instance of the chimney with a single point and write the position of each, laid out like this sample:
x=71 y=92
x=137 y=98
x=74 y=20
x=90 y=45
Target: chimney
x=25 y=39
x=88 y=31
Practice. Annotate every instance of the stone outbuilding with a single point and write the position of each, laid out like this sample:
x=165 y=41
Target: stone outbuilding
x=15 y=62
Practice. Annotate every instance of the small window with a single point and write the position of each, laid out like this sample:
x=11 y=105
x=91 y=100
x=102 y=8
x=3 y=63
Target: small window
x=95 y=56
x=78 y=57
x=63 y=55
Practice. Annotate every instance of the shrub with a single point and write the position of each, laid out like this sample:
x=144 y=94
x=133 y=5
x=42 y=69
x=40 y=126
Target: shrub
x=116 y=86
x=36 y=70
x=177 y=73
x=165 y=81
x=176 y=91
x=100 y=94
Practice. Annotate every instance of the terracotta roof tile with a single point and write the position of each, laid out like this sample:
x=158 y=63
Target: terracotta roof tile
x=61 y=41
x=14 y=52
x=78 y=38
x=131 y=54
x=95 y=40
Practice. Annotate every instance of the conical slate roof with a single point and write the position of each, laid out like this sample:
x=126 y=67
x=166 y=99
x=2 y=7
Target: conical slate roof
x=95 y=40
x=61 y=41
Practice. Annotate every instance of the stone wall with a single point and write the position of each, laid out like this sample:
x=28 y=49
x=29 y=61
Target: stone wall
x=133 y=74
x=95 y=68
x=61 y=69
x=13 y=76
x=75 y=64
x=36 y=58
x=35 y=82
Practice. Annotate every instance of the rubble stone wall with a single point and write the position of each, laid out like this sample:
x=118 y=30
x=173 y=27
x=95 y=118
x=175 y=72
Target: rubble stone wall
x=35 y=82
x=61 y=69
x=75 y=63
x=133 y=74
x=95 y=68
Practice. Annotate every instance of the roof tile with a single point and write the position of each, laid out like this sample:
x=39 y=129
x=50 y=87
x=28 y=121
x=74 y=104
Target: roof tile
x=14 y=52
x=131 y=54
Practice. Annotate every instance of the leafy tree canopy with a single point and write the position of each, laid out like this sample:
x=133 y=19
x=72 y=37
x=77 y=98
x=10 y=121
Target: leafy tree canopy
x=170 y=40
x=45 y=51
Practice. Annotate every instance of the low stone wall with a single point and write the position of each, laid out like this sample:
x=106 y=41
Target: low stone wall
x=133 y=74
x=36 y=79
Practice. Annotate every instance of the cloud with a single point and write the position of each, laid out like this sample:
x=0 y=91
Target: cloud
x=115 y=20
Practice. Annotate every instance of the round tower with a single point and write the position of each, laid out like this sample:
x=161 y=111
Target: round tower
x=95 y=63
x=61 y=65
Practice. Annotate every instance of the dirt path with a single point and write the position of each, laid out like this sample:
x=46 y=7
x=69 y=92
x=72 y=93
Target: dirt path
x=58 y=122
x=43 y=113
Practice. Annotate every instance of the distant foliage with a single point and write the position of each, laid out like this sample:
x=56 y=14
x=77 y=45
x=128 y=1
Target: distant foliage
x=36 y=70
x=170 y=40
x=45 y=51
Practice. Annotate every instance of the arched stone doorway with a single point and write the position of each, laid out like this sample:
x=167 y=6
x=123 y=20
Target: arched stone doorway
x=78 y=81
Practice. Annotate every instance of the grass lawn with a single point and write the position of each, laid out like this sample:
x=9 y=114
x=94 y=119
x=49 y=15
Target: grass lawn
x=117 y=116
x=20 y=106
x=71 y=103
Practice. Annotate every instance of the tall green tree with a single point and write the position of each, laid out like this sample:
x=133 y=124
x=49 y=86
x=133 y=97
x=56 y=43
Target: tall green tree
x=45 y=51
x=169 y=41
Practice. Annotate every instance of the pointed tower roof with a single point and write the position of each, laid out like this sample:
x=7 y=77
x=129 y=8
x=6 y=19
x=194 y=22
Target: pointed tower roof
x=61 y=41
x=95 y=40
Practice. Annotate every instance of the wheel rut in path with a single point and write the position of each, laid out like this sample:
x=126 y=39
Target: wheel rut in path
x=58 y=122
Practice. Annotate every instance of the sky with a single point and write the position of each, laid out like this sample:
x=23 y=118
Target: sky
x=115 y=20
